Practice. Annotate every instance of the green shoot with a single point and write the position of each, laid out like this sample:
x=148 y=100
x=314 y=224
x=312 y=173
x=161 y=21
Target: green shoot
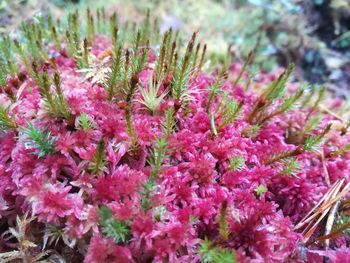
x=55 y=103
x=169 y=124
x=260 y=190
x=312 y=124
x=227 y=110
x=157 y=157
x=182 y=73
x=236 y=163
x=114 y=74
x=291 y=167
x=90 y=25
x=342 y=220
x=84 y=122
x=231 y=112
x=243 y=69
x=319 y=99
x=55 y=38
x=289 y=103
x=222 y=221
x=155 y=160
x=6 y=121
x=340 y=229
x=3 y=74
x=340 y=151
x=116 y=229
x=201 y=61
x=286 y=105
x=251 y=131
x=7 y=63
x=274 y=91
x=150 y=96
x=277 y=88
x=312 y=143
x=162 y=55
x=98 y=163
x=60 y=102
x=214 y=89
x=284 y=155
x=23 y=55
x=39 y=140
x=212 y=254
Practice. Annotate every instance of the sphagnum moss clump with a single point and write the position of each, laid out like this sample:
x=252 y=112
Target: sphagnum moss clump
x=125 y=152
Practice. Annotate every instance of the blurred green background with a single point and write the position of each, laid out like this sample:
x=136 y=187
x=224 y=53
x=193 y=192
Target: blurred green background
x=313 y=34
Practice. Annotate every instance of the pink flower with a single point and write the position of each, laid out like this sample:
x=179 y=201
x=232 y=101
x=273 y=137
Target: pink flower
x=202 y=168
x=54 y=203
x=122 y=183
x=103 y=250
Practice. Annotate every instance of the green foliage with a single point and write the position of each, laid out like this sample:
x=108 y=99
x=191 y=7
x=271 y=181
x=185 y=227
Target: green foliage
x=98 y=163
x=116 y=229
x=150 y=96
x=290 y=102
x=182 y=73
x=7 y=64
x=222 y=221
x=282 y=156
x=248 y=61
x=341 y=221
x=32 y=41
x=22 y=52
x=251 y=131
x=169 y=123
x=90 y=25
x=84 y=122
x=162 y=55
x=59 y=100
x=291 y=167
x=236 y=163
x=115 y=73
x=6 y=121
x=312 y=124
x=215 y=88
x=275 y=90
x=155 y=160
x=260 y=190
x=157 y=156
x=277 y=87
x=340 y=151
x=3 y=74
x=55 y=103
x=159 y=212
x=231 y=111
x=321 y=94
x=227 y=110
x=37 y=139
x=313 y=142
x=212 y=254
